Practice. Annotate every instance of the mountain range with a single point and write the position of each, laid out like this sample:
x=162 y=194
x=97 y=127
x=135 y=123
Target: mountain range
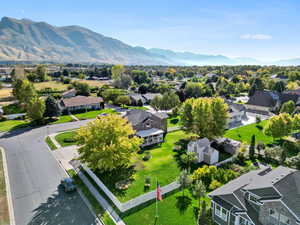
x=26 y=40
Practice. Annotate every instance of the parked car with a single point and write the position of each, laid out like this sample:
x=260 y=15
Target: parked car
x=68 y=185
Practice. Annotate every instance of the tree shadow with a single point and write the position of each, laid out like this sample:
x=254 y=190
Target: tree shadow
x=62 y=209
x=174 y=121
x=183 y=203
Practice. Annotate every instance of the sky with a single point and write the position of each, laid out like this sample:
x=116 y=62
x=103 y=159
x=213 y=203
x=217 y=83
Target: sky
x=262 y=29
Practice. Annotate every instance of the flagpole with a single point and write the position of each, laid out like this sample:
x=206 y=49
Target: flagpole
x=156 y=211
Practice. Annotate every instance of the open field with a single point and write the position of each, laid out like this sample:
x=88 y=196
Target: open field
x=93 y=83
x=51 y=84
x=63 y=119
x=161 y=166
x=245 y=133
x=4 y=213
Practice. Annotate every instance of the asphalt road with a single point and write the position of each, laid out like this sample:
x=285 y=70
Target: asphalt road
x=35 y=175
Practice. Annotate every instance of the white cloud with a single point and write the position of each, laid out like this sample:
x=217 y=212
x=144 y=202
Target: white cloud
x=256 y=36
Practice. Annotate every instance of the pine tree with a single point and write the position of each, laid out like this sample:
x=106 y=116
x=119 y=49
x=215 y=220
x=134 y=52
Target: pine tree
x=252 y=147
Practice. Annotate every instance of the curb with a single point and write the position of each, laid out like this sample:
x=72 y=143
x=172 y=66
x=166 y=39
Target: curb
x=8 y=193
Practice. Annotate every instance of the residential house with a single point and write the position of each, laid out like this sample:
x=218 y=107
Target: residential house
x=237 y=113
x=137 y=99
x=79 y=102
x=227 y=145
x=149 y=126
x=263 y=102
x=260 y=197
x=69 y=93
x=150 y=96
x=203 y=150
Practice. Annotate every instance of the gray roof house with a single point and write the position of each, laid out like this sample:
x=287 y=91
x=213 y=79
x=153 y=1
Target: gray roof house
x=150 y=96
x=149 y=126
x=237 y=112
x=81 y=103
x=137 y=99
x=263 y=102
x=260 y=197
x=204 y=152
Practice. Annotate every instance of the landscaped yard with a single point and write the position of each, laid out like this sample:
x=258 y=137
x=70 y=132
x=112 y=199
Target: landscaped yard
x=13 y=124
x=172 y=210
x=245 y=133
x=66 y=139
x=4 y=214
x=136 y=107
x=93 y=114
x=161 y=166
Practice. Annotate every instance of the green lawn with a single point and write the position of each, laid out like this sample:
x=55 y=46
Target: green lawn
x=173 y=121
x=172 y=210
x=51 y=145
x=162 y=166
x=66 y=138
x=4 y=214
x=245 y=133
x=63 y=119
x=136 y=107
x=92 y=114
x=13 y=124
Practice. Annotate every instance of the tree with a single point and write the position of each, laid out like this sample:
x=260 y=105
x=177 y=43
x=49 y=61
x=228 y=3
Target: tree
x=112 y=94
x=107 y=143
x=199 y=191
x=36 y=109
x=23 y=90
x=184 y=180
x=52 y=108
x=123 y=81
x=82 y=88
x=168 y=101
x=189 y=158
x=41 y=73
x=117 y=71
x=279 y=126
x=206 y=117
x=140 y=76
x=252 y=147
x=123 y=100
x=296 y=121
x=202 y=220
x=288 y=107
x=279 y=86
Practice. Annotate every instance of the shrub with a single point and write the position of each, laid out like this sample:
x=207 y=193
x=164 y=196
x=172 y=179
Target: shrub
x=69 y=140
x=294 y=162
x=214 y=185
x=147 y=156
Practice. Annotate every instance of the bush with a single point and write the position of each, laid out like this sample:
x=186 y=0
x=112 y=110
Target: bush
x=293 y=162
x=147 y=156
x=69 y=140
x=214 y=185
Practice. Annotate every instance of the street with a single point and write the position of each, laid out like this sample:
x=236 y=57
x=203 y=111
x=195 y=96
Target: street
x=35 y=176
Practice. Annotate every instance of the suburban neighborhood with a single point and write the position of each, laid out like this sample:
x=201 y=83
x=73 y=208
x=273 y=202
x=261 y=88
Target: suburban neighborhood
x=196 y=122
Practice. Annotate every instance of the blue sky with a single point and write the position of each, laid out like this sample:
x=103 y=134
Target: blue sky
x=263 y=29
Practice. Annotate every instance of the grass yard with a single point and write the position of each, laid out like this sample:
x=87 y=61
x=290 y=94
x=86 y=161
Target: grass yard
x=66 y=139
x=63 y=119
x=4 y=213
x=173 y=121
x=172 y=210
x=51 y=145
x=245 y=133
x=161 y=166
x=93 y=114
x=51 y=84
x=136 y=107
x=13 y=124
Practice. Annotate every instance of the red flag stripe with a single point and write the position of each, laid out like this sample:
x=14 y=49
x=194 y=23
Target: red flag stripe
x=158 y=193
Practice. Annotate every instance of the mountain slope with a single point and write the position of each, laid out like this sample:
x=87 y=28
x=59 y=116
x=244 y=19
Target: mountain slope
x=28 y=40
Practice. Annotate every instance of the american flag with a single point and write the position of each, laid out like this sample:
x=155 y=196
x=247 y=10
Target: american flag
x=158 y=192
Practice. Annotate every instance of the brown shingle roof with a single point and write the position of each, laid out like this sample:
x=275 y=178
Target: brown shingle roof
x=81 y=100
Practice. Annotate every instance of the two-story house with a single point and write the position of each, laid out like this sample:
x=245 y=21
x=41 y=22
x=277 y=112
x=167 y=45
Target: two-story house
x=149 y=126
x=260 y=197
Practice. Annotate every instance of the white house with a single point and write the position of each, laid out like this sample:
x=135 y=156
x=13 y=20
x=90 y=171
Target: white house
x=204 y=152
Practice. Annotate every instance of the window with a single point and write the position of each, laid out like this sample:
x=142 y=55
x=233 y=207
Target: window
x=221 y=212
x=243 y=221
x=253 y=199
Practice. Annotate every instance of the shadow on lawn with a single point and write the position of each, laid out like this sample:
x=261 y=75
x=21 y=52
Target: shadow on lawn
x=121 y=174
x=183 y=203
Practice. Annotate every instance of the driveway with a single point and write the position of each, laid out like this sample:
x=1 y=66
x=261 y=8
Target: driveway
x=35 y=175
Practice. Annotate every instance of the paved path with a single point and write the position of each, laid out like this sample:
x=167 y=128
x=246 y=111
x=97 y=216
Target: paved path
x=54 y=141
x=34 y=176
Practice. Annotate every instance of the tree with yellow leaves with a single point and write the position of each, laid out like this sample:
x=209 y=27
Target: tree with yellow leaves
x=107 y=142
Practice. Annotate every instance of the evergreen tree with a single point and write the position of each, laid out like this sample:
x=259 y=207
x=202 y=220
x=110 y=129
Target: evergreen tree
x=52 y=108
x=252 y=147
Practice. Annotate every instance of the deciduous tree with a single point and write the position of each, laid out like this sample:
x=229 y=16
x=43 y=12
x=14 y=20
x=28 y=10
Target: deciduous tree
x=36 y=109
x=107 y=143
x=279 y=126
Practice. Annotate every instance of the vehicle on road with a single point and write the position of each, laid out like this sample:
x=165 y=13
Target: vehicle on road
x=68 y=185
